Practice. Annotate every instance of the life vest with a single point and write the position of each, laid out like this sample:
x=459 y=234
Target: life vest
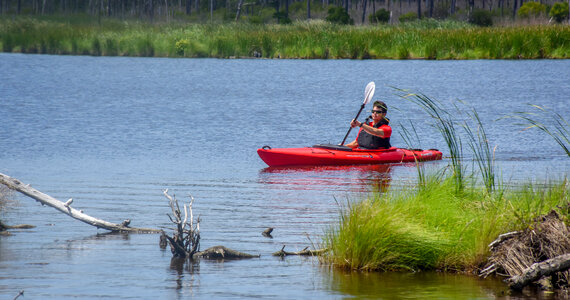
x=368 y=141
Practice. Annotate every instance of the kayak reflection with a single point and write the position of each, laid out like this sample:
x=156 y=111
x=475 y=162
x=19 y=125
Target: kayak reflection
x=352 y=178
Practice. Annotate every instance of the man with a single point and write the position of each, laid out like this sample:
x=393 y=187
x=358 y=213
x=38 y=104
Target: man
x=376 y=134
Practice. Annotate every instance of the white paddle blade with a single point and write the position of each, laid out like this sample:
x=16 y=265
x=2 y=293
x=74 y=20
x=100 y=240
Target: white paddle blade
x=369 y=92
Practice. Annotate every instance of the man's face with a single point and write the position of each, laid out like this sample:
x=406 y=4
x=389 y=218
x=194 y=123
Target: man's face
x=378 y=113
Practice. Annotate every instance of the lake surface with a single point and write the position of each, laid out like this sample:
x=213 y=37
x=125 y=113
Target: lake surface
x=113 y=132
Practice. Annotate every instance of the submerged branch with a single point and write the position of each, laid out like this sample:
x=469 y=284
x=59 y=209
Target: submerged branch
x=305 y=251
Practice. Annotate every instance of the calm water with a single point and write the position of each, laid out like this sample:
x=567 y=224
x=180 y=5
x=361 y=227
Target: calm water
x=112 y=133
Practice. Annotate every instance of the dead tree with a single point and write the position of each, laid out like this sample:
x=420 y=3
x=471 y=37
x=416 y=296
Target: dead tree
x=186 y=240
x=65 y=207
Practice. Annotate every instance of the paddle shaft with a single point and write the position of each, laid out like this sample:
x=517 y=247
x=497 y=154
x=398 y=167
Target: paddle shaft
x=349 y=129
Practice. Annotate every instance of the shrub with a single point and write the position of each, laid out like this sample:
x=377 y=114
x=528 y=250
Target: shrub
x=408 y=17
x=282 y=17
x=337 y=15
x=531 y=9
x=380 y=16
x=255 y=20
x=559 y=11
x=411 y=16
x=181 y=46
x=481 y=17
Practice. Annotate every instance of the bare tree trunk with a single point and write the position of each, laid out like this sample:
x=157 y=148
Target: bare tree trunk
x=515 y=3
x=309 y=9
x=66 y=208
x=240 y=3
x=419 y=9
x=363 y=11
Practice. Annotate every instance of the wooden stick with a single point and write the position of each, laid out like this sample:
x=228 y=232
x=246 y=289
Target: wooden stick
x=539 y=270
x=305 y=251
x=66 y=208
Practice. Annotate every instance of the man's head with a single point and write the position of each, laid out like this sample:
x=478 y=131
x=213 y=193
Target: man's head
x=379 y=107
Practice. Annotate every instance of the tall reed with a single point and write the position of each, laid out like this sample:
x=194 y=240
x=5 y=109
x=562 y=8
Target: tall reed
x=446 y=125
x=560 y=131
x=482 y=154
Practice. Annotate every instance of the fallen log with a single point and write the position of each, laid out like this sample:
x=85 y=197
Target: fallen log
x=538 y=270
x=305 y=251
x=65 y=207
x=221 y=252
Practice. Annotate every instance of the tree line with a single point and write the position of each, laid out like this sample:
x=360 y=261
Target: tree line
x=168 y=9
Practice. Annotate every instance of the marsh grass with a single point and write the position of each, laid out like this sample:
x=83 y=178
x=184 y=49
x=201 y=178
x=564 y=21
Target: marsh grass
x=446 y=221
x=316 y=39
x=434 y=227
x=447 y=126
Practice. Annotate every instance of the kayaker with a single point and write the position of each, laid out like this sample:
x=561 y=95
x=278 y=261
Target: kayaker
x=375 y=134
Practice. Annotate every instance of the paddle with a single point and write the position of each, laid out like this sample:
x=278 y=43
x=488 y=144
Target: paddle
x=368 y=93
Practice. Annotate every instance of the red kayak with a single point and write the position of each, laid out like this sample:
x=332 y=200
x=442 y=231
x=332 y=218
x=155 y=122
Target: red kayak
x=342 y=155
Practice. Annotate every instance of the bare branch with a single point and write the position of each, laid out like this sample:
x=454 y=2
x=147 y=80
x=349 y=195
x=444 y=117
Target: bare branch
x=66 y=208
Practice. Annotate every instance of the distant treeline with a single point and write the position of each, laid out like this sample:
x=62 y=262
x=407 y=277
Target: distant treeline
x=262 y=10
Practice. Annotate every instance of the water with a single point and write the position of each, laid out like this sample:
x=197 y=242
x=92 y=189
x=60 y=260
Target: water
x=113 y=132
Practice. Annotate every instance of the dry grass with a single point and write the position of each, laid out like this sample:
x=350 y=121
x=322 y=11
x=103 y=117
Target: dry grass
x=549 y=238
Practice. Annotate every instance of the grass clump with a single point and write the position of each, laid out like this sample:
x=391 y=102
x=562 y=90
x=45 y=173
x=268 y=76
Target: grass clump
x=434 y=227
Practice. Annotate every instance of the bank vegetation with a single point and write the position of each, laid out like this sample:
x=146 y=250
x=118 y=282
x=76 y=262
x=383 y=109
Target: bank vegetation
x=455 y=220
x=427 y=39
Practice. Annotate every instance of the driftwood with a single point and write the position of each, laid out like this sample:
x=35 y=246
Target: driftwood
x=538 y=270
x=221 y=252
x=538 y=254
x=65 y=207
x=267 y=232
x=305 y=251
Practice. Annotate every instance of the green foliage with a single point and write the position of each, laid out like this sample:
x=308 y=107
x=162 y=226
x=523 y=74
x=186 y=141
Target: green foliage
x=531 y=9
x=255 y=20
x=380 y=16
x=420 y=39
x=282 y=17
x=336 y=14
x=559 y=11
x=407 y=17
x=433 y=227
x=182 y=46
x=481 y=17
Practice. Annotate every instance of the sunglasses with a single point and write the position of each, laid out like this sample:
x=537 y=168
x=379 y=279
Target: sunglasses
x=377 y=111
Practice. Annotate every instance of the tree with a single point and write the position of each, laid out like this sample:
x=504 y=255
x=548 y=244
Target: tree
x=337 y=14
x=380 y=16
x=559 y=11
x=531 y=9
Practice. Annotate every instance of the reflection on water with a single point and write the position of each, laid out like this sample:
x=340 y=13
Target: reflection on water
x=420 y=285
x=361 y=178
